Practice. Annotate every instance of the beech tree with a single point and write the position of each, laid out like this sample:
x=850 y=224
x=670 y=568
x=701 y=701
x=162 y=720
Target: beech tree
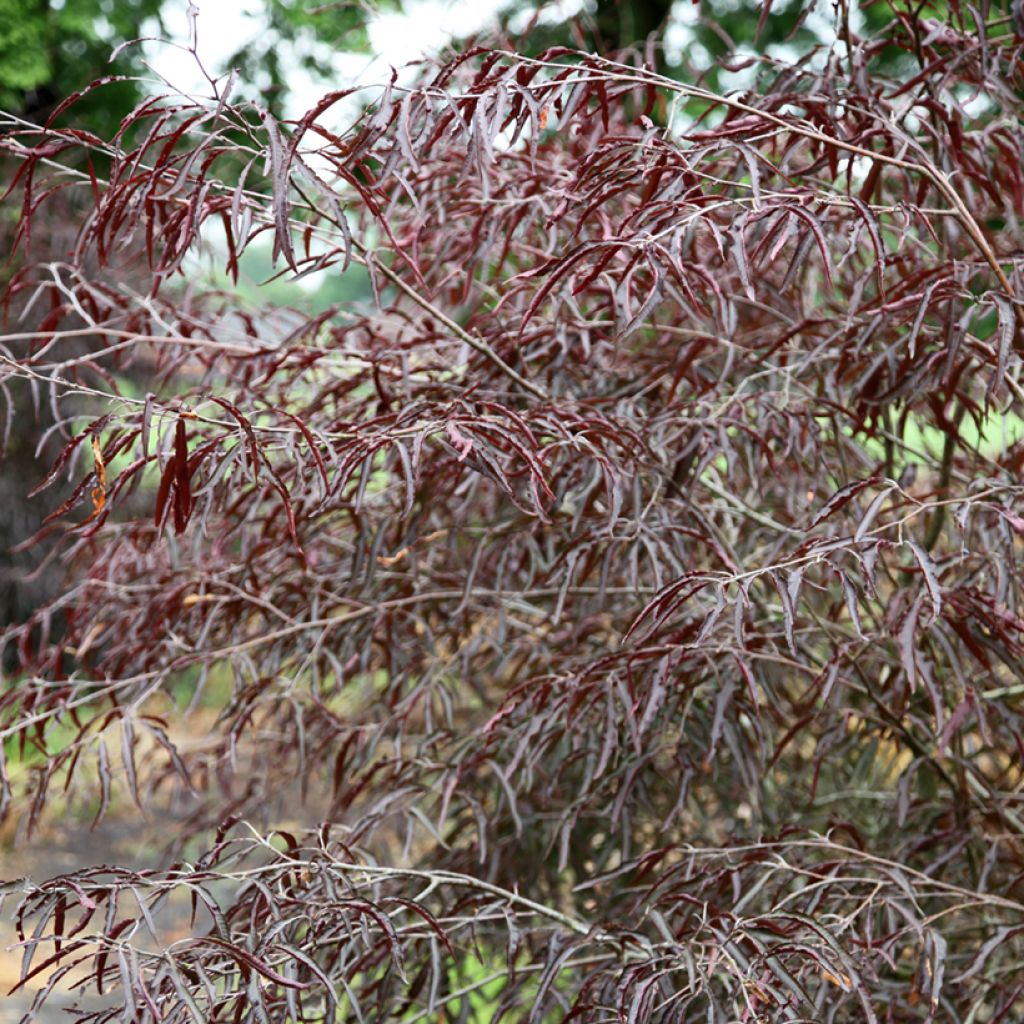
x=618 y=619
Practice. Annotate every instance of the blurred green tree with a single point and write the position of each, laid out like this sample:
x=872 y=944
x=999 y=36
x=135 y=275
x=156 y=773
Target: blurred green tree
x=51 y=49
x=314 y=33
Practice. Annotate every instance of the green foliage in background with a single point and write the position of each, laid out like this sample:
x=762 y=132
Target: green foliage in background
x=300 y=35
x=49 y=50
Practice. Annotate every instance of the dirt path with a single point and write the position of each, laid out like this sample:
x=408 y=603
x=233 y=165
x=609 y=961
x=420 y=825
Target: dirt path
x=61 y=849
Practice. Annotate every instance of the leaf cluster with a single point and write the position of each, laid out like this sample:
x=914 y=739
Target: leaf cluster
x=631 y=586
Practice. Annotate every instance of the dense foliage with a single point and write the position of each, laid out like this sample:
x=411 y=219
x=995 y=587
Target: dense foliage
x=617 y=620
